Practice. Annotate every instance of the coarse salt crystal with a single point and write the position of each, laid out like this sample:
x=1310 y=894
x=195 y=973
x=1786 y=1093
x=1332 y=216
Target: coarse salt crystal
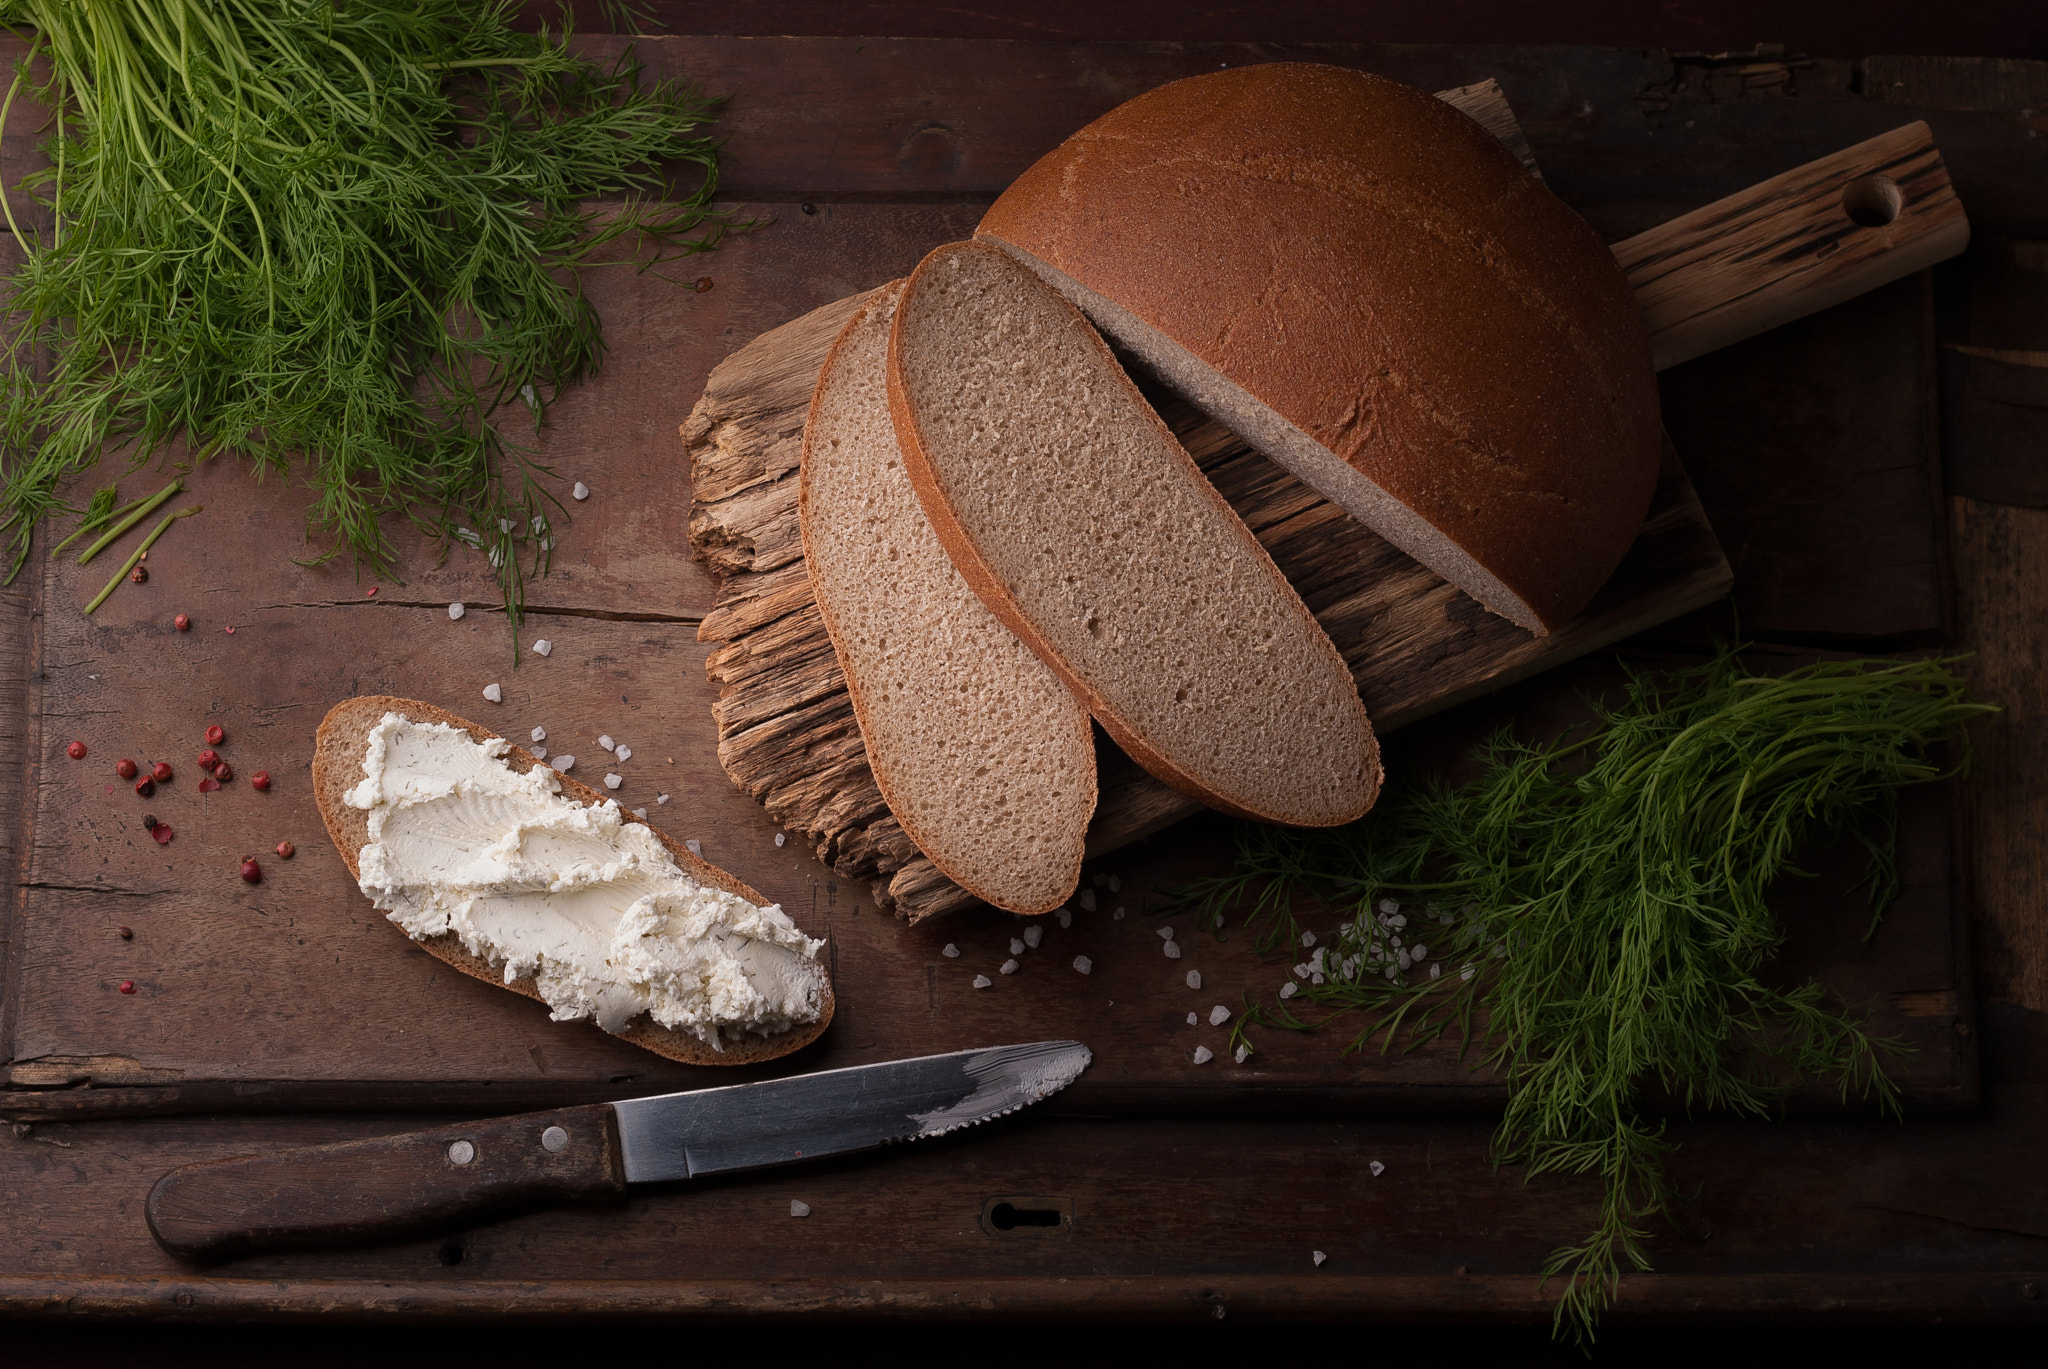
x=1173 y=950
x=605 y=742
x=1099 y=878
x=582 y=491
x=1007 y=967
x=1016 y=946
x=1194 y=1021
x=1468 y=972
x=1287 y=989
x=493 y=693
x=1218 y=1015
x=624 y=753
x=799 y=1208
x=1389 y=907
x=1315 y=979
x=1435 y=970
x=1194 y=979
x=1117 y=916
x=1087 y=900
x=1066 y=918
x=781 y=838
x=1116 y=884
x=540 y=753
x=1377 y=1169
x=640 y=813
x=1308 y=938
x=1083 y=964
x=1033 y=935
x=614 y=781
x=1420 y=952
x=661 y=798
x=1319 y=1257
x=694 y=847
x=950 y=951
x=1406 y=960
x=543 y=647
x=1165 y=933
x=563 y=762
x=1303 y=971
x=1242 y=1052
x=539 y=734
x=455 y=611
x=982 y=981
x=1203 y=1055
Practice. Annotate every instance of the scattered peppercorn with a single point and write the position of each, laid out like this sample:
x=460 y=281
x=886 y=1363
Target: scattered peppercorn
x=76 y=751
x=215 y=735
x=260 y=780
x=182 y=623
x=149 y=822
x=125 y=768
x=223 y=772
x=127 y=986
x=161 y=772
x=127 y=934
x=140 y=575
x=284 y=850
x=810 y=208
x=251 y=871
x=208 y=785
x=162 y=833
x=208 y=759
x=145 y=786
x=703 y=284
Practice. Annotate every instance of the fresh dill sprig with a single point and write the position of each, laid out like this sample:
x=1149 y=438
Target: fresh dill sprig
x=342 y=234
x=1590 y=913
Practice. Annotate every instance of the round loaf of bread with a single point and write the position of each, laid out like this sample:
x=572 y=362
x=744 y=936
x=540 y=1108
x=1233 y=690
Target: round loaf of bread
x=1364 y=284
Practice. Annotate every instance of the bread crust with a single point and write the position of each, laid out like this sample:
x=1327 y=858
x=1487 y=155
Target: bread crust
x=337 y=768
x=976 y=571
x=1379 y=274
x=903 y=814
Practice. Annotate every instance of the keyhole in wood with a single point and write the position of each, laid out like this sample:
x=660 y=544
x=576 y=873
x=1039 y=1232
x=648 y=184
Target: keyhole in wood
x=1872 y=201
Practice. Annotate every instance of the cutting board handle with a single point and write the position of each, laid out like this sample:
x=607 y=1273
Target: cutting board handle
x=387 y=1186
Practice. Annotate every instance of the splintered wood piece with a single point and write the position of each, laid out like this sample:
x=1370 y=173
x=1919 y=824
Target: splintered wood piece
x=1795 y=244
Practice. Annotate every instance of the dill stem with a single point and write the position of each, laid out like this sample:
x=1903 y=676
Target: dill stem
x=120 y=529
x=135 y=557
x=92 y=524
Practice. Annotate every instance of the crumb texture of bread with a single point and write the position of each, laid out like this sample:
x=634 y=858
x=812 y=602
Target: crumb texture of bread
x=1078 y=518
x=1363 y=283
x=338 y=752
x=985 y=757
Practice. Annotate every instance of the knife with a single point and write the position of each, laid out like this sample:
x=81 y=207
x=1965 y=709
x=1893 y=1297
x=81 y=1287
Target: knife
x=400 y=1185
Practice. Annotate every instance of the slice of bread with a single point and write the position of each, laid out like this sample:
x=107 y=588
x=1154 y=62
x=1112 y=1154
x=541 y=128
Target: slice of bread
x=338 y=767
x=984 y=756
x=1081 y=522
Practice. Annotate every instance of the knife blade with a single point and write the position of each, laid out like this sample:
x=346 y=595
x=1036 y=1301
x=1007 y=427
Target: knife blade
x=404 y=1185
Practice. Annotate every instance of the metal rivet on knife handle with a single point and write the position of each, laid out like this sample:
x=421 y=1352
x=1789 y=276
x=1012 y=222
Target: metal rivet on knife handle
x=461 y=1153
x=554 y=1138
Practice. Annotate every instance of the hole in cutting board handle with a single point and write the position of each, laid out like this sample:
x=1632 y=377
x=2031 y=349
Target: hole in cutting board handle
x=1028 y=1216
x=1872 y=201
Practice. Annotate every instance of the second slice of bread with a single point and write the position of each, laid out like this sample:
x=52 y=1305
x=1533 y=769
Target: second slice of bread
x=1075 y=515
x=985 y=758
x=338 y=767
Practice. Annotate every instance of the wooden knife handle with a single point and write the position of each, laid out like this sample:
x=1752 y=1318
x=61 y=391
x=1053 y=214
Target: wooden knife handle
x=389 y=1186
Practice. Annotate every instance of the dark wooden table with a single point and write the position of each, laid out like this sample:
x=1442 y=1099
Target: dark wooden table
x=1873 y=472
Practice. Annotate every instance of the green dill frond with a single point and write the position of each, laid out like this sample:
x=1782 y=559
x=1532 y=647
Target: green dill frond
x=1589 y=915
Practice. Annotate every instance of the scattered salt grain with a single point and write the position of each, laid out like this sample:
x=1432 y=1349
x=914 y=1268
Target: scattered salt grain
x=1016 y=946
x=605 y=742
x=694 y=847
x=1194 y=979
x=982 y=981
x=1117 y=916
x=1116 y=884
x=539 y=734
x=1308 y=939
x=951 y=952
x=543 y=647
x=1007 y=967
x=1319 y=1257
x=624 y=753
x=1099 y=878
x=493 y=693
x=614 y=781
x=1165 y=933
x=640 y=813
x=1087 y=900
x=1389 y=907
x=1173 y=950
x=1203 y=1055
x=781 y=838
x=582 y=491
x=563 y=762
x=1287 y=989
x=799 y=1208
x=1420 y=952
x=1194 y=1021
x=661 y=798
x=1218 y=1015
x=1468 y=972
x=455 y=611
x=1377 y=1169
x=540 y=753
x=1066 y=918
x=1435 y=970
x=1242 y=1052
x=1083 y=964
x=1033 y=935
x=1304 y=971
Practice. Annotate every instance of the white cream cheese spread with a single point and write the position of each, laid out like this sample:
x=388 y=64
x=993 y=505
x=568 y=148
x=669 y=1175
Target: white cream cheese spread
x=591 y=905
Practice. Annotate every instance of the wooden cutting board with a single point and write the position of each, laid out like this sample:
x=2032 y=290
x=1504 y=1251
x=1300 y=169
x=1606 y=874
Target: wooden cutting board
x=1794 y=244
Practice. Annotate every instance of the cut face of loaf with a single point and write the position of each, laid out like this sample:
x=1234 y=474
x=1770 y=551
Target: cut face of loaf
x=1364 y=284
x=1076 y=516
x=985 y=758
